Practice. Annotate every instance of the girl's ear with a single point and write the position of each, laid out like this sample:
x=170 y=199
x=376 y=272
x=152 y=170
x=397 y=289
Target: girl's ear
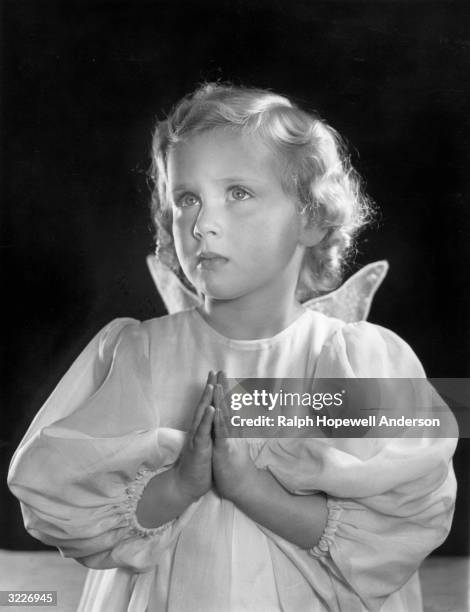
x=311 y=234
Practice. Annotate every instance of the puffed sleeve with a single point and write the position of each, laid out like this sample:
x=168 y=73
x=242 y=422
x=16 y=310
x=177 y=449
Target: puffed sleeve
x=390 y=500
x=81 y=467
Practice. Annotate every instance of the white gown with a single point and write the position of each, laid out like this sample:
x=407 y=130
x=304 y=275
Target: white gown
x=117 y=418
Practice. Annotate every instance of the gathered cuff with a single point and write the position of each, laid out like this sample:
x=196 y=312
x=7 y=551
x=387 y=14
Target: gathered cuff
x=323 y=546
x=134 y=492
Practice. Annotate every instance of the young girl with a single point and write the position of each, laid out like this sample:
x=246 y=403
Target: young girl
x=127 y=467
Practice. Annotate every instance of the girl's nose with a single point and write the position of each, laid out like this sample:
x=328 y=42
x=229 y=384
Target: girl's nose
x=207 y=222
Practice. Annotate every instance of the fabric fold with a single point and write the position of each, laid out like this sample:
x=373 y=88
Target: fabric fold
x=119 y=416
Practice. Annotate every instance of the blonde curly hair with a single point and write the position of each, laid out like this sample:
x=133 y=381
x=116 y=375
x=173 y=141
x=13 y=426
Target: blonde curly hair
x=316 y=171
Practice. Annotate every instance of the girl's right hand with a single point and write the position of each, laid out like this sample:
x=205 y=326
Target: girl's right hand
x=193 y=468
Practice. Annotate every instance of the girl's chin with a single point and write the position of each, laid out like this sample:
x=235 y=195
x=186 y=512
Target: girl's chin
x=219 y=296
x=218 y=291
x=222 y=287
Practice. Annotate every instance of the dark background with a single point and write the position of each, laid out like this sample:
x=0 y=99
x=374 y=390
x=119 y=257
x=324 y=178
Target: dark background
x=82 y=86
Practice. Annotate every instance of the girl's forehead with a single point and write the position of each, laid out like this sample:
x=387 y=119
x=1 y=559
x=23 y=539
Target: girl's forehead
x=223 y=149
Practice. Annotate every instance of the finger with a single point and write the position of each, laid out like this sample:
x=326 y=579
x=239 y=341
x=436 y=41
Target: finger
x=217 y=396
x=221 y=431
x=223 y=423
x=205 y=400
x=204 y=430
x=220 y=402
x=211 y=378
x=217 y=431
x=222 y=380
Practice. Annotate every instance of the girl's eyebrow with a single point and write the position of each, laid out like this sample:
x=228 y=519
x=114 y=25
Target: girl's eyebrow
x=180 y=187
x=227 y=180
x=237 y=179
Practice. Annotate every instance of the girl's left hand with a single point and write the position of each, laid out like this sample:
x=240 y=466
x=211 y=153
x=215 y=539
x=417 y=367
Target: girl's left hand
x=233 y=470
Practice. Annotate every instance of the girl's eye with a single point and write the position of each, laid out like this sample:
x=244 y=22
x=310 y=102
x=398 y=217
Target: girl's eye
x=239 y=194
x=187 y=200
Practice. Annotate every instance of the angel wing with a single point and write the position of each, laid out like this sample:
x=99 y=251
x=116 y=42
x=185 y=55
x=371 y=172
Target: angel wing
x=350 y=302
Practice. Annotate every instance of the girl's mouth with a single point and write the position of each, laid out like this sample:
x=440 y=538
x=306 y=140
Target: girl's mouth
x=208 y=260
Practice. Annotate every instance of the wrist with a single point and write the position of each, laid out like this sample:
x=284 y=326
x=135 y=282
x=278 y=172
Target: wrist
x=162 y=500
x=184 y=491
x=246 y=485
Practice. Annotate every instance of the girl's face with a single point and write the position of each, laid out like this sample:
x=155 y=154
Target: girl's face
x=236 y=232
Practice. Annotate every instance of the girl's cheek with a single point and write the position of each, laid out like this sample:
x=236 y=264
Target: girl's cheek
x=182 y=226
